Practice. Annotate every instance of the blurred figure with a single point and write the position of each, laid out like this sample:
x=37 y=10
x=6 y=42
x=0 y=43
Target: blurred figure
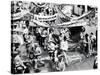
x=19 y=65
x=64 y=44
x=95 y=65
x=93 y=41
x=61 y=64
x=51 y=48
x=87 y=44
x=50 y=35
x=43 y=37
x=37 y=53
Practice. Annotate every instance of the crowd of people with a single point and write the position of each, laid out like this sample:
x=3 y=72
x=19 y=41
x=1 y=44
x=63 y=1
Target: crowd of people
x=34 y=8
x=29 y=44
x=89 y=41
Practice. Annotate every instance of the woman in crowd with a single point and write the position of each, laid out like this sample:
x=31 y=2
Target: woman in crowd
x=51 y=32
x=43 y=37
x=64 y=44
x=93 y=41
x=38 y=35
x=64 y=48
x=59 y=59
x=20 y=61
x=37 y=54
x=51 y=49
x=87 y=44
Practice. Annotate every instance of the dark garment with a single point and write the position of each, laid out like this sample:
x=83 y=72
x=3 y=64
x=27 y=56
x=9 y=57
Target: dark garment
x=95 y=66
x=50 y=54
x=17 y=45
x=86 y=49
x=42 y=41
x=56 y=38
x=19 y=71
x=27 y=70
x=47 y=11
x=38 y=36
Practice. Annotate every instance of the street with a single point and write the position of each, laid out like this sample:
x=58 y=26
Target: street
x=83 y=65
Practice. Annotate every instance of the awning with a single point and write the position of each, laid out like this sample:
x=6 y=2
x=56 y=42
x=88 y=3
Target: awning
x=37 y=23
x=75 y=22
x=72 y=24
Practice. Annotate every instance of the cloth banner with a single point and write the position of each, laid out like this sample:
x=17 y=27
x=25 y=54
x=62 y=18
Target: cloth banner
x=45 y=18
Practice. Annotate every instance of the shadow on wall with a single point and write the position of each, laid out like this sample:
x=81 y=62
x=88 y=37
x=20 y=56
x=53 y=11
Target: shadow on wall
x=75 y=33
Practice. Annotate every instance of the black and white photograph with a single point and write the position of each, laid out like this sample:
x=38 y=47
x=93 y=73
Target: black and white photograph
x=53 y=37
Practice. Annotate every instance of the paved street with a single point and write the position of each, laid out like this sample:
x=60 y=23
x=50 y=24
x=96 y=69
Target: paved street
x=84 y=65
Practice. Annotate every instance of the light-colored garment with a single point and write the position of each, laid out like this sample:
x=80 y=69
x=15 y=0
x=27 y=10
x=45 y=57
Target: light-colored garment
x=44 y=33
x=64 y=45
x=67 y=35
x=25 y=31
x=61 y=66
x=93 y=37
x=62 y=31
x=19 y=61
x=30 y=39
x=38 y=51
x=18 y=39
x=52 y=46
x=23 y=51
x=50 y=38
x=82 y=35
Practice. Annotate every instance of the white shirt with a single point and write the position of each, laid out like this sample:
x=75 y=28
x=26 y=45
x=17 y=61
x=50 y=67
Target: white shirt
x=25 y=31
x=52 y=46
x=50 y=37
x=64 y=45
x=38 y=51
x=18 y=60
x=93 y=37
x=18 y=39
x=23 y=50
x=61 y=66
x=82 y=35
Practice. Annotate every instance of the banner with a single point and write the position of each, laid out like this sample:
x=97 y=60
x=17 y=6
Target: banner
x=72 y=24
x=37 y=23
x=45 y=18
x=19 y=15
